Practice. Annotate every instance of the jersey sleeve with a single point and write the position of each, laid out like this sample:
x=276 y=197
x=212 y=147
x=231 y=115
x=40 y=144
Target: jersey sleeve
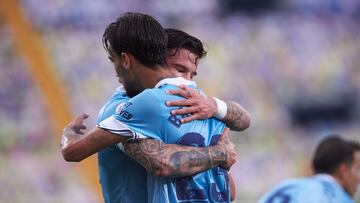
x=139 y=117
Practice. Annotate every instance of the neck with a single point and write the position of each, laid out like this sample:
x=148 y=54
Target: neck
x=150 y=77
x=340 y=180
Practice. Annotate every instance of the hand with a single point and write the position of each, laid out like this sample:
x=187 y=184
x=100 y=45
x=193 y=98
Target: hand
x=77 y=125
x=200 y=106
x=73 y=130
x=229 y=147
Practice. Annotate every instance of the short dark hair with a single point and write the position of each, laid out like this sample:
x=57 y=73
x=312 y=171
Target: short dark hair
x=178 y=39
x=332 y=152
x=139 y=34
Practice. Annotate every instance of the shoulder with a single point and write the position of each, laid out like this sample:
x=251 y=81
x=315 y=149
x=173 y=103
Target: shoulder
x=109 y=108
x=149 y=98
x=148 y=94
x=147 y=102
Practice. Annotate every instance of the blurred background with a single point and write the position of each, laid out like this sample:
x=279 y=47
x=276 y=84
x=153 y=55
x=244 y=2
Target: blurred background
x=294 y=65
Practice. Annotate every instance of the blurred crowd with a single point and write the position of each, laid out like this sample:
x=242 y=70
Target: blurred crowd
x=294 y=65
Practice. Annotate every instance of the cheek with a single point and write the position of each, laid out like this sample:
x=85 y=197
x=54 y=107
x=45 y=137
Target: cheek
x=175 y=72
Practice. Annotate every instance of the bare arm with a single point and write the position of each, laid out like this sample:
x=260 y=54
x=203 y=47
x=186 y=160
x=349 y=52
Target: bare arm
x=202 y=107
x=173 y=160
x=77 y=145
x=237 y=118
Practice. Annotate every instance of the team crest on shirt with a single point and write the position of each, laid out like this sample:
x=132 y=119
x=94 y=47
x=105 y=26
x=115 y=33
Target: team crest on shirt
x=121 y=110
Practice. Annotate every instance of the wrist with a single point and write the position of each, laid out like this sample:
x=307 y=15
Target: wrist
x=218 y=155
x=221 y=108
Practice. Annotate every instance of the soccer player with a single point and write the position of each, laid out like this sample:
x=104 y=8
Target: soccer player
x=336 y=164
x=111 y=105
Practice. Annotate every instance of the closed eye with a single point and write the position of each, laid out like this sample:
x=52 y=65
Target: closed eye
x=180 y=68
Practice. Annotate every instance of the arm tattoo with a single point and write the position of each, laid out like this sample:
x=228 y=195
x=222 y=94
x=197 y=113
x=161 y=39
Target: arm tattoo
x=171 y=160
x=237 y=118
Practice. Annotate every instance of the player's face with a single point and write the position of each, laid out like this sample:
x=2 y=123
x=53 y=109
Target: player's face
x=352 y=177
x=183 y=63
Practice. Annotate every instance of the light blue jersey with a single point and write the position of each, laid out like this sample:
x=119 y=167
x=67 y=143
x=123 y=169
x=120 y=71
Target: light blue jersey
x=122 y=179
x=316 y=189
x=148 y=115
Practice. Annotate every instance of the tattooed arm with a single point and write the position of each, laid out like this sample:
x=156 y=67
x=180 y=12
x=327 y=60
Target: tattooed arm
x=237 y=118
x=203 y=107
x=171 y=160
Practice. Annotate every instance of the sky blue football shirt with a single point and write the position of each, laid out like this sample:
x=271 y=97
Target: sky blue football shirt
x=147 y=114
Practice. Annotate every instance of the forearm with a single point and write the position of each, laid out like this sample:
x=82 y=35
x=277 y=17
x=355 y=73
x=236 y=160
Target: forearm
x=75 y=150
x=170 y=160
x=236 y=118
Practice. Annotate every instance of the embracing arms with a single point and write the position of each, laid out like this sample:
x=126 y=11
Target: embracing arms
x=77 y=145
x=158 y=158
x=203 y=107
x=177 y=160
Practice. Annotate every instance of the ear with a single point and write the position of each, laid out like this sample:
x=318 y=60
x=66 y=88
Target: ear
x=342 y=171
x=126 y=60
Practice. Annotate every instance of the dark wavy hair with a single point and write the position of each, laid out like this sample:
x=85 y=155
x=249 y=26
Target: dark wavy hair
x=332 y=152
x=178 y=39
x=139 y=34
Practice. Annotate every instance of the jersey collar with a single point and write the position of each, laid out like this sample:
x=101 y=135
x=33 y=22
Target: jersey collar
x=175 y=81
x=120 y=88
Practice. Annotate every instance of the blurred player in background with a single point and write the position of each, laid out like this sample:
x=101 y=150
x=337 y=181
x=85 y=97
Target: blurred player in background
x=336 y=164
x=183 y=55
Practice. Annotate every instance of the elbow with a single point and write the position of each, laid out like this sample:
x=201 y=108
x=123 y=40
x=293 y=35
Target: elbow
x=160 y=169
x=247 y=121
x=69 y=155
x=243 y=124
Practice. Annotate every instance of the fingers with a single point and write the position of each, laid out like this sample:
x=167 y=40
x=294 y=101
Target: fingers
x=184 y=91
x=77 y=125
x=81 y=117
x=182 y=102
x=192 y=113
x=225 y=136
x=190 y=118
x=186 y=88
x=179 y=92
x=184 y=111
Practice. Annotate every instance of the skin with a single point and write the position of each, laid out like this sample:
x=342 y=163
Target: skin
x=348 y=175
x=185 y=159
x=159 y=159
